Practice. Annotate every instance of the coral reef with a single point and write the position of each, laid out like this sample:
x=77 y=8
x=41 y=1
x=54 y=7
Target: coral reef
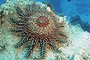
x=39 y=34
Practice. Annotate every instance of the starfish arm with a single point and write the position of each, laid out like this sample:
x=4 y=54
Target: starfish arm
x=52 y=44
x=28 y=12
x=18 y=22
x=17 y=30
x=42 y=49
x=22 y=41
x=29 y=47
x=20 y=12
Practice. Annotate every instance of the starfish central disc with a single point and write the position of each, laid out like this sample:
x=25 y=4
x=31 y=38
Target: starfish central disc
x=42 y=27
x=42 y=21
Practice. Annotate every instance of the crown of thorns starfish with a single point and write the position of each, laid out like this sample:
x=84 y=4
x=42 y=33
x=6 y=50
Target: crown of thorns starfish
x=37 y=25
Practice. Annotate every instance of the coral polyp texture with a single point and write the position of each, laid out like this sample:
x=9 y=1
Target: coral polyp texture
x=37 y=26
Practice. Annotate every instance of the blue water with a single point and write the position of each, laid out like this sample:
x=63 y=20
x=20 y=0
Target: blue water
x=70 y=8
x=2 y=2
